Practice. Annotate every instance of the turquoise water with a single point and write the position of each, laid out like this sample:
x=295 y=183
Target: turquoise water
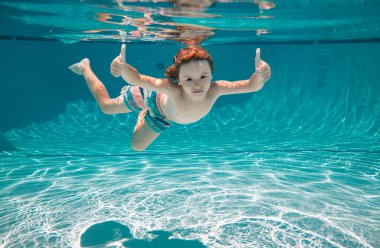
x=294 y=165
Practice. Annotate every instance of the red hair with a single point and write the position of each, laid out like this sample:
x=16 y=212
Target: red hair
x=186 y=55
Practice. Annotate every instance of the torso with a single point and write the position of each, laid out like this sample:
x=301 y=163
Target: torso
x=180 y=110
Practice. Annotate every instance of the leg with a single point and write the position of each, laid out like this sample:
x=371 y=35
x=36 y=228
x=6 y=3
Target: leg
x=108 y=105
x=143 y=135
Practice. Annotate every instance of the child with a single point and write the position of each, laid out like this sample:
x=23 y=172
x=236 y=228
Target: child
x=186 y=95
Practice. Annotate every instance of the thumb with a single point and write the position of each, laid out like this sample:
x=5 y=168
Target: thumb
x=122 y=53
x=257 y=58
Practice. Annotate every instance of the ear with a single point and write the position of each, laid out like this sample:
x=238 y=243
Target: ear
x=174 y=80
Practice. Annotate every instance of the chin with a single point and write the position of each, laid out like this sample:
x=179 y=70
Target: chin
x=199 y=98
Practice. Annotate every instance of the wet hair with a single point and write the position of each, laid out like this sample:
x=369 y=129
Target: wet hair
x=186 y=55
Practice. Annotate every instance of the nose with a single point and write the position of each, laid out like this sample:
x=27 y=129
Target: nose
x=198 y=83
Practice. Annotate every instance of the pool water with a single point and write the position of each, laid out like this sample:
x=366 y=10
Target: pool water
x=293 y=165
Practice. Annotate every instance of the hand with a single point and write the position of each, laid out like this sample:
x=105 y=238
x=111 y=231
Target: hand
x=118 y=62
x=262 y=68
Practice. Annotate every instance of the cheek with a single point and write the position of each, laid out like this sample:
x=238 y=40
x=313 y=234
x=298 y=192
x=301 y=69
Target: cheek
x=207 y=82
x=186 y=87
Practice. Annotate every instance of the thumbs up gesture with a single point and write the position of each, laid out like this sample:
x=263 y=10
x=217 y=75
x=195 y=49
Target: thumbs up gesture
x=118 y=62
x=262 y=68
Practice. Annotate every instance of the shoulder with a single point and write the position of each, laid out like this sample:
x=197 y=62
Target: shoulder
x=157 y=84
x=172 y=90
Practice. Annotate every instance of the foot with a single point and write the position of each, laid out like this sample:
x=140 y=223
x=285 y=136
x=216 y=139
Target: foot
x=79 y=67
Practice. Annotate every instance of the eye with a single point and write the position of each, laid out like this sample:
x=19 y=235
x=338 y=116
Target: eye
x=189 y=79
x=203 y=76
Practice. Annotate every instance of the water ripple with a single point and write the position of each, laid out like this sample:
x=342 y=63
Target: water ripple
x=249 y=201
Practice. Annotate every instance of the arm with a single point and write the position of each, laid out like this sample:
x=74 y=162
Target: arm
x=120 y=68
x=255 y=83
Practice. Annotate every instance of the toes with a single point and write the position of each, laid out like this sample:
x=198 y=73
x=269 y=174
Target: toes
x=78 y=67
x=74 y=68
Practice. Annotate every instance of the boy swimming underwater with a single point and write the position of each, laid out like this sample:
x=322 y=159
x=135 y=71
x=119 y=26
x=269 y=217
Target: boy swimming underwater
x=186 y=95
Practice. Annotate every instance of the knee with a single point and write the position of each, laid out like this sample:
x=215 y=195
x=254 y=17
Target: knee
x=106 y=109
x=138 y=146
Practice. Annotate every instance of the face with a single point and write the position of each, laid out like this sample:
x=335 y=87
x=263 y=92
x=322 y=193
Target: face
x=195 y=78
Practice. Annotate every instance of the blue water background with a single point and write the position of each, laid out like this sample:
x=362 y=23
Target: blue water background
x=294 y=165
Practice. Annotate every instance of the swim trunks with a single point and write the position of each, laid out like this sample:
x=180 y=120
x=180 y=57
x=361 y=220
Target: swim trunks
x=136 y=99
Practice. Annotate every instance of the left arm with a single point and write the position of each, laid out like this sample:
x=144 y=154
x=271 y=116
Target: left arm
x=255 y=83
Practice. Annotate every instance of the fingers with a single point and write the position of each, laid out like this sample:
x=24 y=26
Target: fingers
x=262 y=67
x=257 y=58
x=115 y=73
x=265 y=72
x=115 y=70
x=117 y=63
x=122 y=53
x=116 y=67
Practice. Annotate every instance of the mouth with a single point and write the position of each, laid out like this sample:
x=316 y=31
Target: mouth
x=197 y=92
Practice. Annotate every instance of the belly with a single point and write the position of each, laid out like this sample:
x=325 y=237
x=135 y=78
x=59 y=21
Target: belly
x=184 y=117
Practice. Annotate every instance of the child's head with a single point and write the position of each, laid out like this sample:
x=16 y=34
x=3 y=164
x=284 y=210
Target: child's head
x=184 y=56
x=192 y=70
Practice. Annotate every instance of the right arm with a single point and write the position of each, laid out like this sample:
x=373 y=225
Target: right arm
x=253 y=84
x=120 y=68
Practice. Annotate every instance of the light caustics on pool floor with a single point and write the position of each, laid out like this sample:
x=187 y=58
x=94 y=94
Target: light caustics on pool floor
x=274 y=187
x=274 y=199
